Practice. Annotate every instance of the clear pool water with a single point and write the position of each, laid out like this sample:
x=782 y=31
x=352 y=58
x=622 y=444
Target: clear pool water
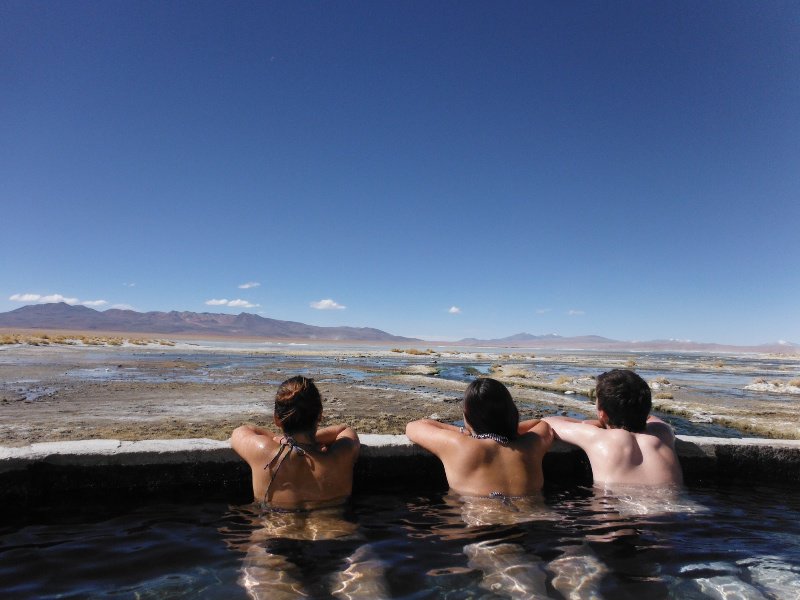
x=705 y=542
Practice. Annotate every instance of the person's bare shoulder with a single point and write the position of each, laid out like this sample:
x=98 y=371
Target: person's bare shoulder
x=538 y=432
x=252 y=443
x=658 y=428
x=347 y=447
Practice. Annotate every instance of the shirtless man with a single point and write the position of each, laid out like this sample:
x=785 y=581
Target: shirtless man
x=624 y=445
x=493 y=453
x=305 y=467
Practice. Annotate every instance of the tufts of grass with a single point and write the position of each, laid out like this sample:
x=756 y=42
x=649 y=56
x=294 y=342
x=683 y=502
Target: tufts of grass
x=630 y=363
x=563 y=379
x=663 y=396
x=794 y=382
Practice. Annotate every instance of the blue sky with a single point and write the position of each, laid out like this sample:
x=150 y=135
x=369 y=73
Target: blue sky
x=433 y=169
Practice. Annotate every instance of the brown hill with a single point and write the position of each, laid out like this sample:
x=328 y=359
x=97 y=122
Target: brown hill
x=63 y=316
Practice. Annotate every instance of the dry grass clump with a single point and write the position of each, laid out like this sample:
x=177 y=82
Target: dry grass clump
x=506 y=371
x=563 y=379
x=662 y=380
x=139 y=342
x=719 y=364
x=630 y=363
x=414 y=351
x=516 y=372
x=663 y=396
x=794 y=382
x=9 y=338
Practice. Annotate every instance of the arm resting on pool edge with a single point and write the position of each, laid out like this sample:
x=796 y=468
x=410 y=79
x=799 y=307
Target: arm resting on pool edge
x=340 y=435
x=540 y=427
x=436 y=437
x=252 y=443
x=661 y=430
x=575 y=431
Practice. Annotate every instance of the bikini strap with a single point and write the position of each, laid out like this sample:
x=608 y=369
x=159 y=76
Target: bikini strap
x=288 y=444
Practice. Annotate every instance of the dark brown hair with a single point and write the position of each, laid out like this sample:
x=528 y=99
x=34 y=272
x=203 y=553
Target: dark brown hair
x=298 y=405
x=625 y=397
x=489 y=408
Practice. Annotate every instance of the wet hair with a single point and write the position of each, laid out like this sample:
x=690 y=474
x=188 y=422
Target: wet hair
x=625 y=397
x=489 y=408
x=298 y=405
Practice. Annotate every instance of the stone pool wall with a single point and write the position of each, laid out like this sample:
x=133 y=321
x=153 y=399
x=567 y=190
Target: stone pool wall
x=55 y=472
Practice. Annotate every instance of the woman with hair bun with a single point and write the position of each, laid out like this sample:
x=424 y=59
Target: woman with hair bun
x=305 y=467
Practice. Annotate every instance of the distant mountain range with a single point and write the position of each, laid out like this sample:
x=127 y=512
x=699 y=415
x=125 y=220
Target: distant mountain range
x=81 y=318
x=596 y=342
x=68 y=317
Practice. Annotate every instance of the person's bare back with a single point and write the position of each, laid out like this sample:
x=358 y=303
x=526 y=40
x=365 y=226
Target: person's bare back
x=623 y=457
x=290 y=473
x=306 y=467
x=480 y=467
x=625 y=445
x=494 y=453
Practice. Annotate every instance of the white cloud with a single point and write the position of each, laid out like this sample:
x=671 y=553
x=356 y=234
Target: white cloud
x=454 y=310
x=575 y=313
x=213 y=302
x=248 y=285
x=123 y=307
x=25 y=297
x=241 y=304
x=129 y=284
x=541 y=311
x=94 y=302
x=327 y=304
x=42 y=299
x=232 y=303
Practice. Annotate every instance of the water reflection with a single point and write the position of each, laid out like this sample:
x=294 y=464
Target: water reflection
x=291 y=554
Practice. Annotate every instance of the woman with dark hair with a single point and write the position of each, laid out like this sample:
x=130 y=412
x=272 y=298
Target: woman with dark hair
x=306 y=467
x=493 y=454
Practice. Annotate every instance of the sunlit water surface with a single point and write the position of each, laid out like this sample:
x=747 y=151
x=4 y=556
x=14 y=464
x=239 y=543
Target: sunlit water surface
x=704 y=542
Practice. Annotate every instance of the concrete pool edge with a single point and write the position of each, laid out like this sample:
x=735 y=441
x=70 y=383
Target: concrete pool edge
x=48 y=472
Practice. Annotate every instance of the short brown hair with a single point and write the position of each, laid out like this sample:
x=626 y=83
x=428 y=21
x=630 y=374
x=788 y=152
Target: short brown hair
x=298 y=405
x=626 y=399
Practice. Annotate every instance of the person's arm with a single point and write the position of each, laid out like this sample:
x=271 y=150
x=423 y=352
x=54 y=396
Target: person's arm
x=525 y=426
x=575 y=431
x=438 y=438
x=251 y=442
x=340 y=435
x=539 y=427
x=660 y=429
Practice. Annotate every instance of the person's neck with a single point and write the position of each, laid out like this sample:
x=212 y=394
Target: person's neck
x=305 y=438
